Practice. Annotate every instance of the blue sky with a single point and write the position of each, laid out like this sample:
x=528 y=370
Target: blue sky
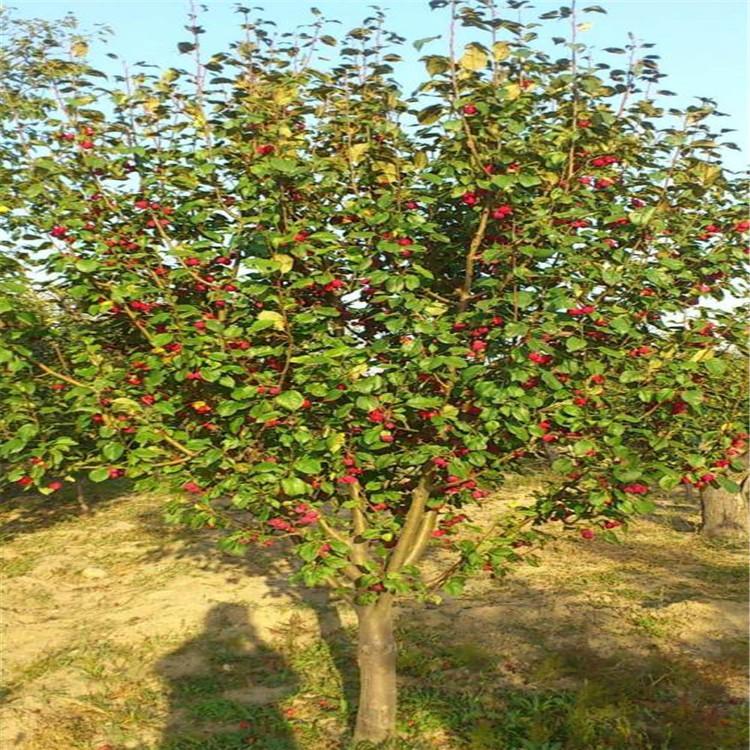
x=702 y=43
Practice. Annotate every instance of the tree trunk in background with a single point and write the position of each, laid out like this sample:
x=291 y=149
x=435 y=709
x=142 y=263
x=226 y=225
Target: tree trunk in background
x=725 y=514
x=81 y=497
x=376 y=655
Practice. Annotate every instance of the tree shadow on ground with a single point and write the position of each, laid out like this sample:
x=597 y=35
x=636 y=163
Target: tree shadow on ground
x=560 y=693
x=276 y=566
x=225 y=688
x=26 y=512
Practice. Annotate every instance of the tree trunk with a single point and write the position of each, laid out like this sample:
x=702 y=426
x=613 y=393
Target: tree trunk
x=725 y=514
x=81 y=497
x=376 y=655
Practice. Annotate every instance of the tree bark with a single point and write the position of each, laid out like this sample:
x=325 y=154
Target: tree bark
x=376 y=655
x=725 y=514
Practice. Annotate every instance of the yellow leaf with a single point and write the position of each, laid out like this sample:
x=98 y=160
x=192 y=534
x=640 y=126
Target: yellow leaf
x=473 y=58
x=79 y=48
x=501 y=51
x=435 y=308
x=702 y=354
x=283 y=96
x=336 y=441
x=4 y=209
x=357 y=372
x=584 y=26
x=512 y=91
x=449 y=411
x=357 y=151
x=286 y=262
x=420 y=160
x=387 y=170
x=274 y=317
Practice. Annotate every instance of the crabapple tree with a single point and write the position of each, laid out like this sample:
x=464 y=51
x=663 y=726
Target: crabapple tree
x=329 y=316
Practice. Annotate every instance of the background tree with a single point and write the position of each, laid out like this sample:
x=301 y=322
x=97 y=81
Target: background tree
x=325 y=326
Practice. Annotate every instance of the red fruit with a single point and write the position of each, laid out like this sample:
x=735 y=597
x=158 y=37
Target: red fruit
x=539 y=358
x=192 y=261
x=86 y=144
x=502 y=211
x=610 y=524
x=386 y=437
x=201 y=407
x=192 y=488
x=280 y=524
x=194 y=375
x=58 y=386
x=469 y=109
x=585 y=310
x=549 y=438
x=405 y=241
x=25 y=481
x=587 y=533
x=598 y=379
x=59 y=231
x=584 y=123
x=678 y=407
x=580 y=401
x=376 y=415
x=742 y=226
x=54 y=486
x=636 y=489
x=116 y=473
x=640 y=351
x=301 y=236
x=142 y=204
x=708 y=477
x=265 y=149
x=148 y=400
x=348 y=479
x=722 y=463
x=470 y=199
x=411 y=205
x=67 y=136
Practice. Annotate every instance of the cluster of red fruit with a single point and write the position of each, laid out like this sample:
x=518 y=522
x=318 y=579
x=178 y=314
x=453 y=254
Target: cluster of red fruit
x=738 y=447
x=306 y=516
x=84 y=142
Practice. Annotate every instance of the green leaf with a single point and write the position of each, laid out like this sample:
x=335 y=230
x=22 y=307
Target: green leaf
x=291 y=400
x=308 y=465
x=99 y=475
x=294 y=486
x=574 y=344
x=113 y=451
x=87 y=266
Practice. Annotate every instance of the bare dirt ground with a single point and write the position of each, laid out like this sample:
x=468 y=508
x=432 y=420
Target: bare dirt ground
x=121 y=633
